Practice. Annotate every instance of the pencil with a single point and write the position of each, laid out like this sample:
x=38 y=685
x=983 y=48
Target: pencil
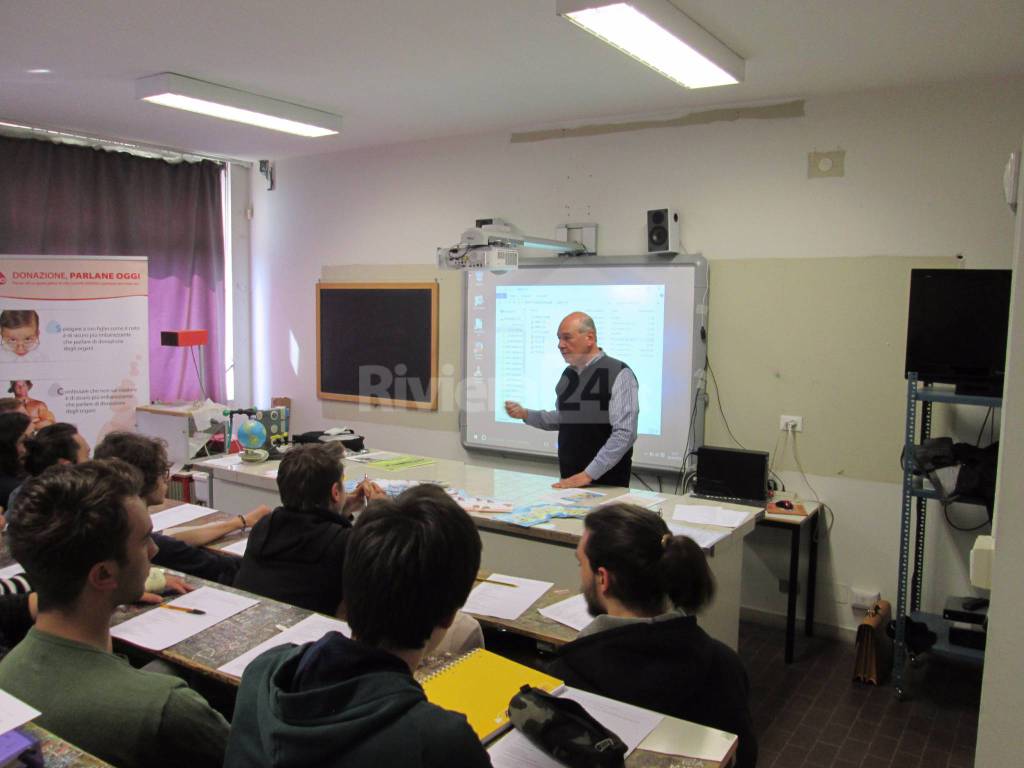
x=183 y=609
x=492 y=581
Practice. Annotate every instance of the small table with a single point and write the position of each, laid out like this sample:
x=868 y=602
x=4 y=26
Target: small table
x=795 y=525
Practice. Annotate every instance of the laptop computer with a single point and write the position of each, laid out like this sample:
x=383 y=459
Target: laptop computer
x=732 y=475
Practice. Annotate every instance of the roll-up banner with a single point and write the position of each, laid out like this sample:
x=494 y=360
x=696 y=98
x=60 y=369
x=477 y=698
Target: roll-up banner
x=75 y=339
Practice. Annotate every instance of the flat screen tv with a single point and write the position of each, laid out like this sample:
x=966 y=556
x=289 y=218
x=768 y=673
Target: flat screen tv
x=957 y=328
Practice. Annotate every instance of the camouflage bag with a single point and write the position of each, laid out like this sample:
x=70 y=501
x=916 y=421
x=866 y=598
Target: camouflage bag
x=563 y=729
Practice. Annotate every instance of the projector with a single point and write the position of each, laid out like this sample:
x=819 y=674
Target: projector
x=493 y=257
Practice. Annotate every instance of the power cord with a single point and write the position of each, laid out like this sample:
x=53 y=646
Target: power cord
x=830 y=515
x=721 y=410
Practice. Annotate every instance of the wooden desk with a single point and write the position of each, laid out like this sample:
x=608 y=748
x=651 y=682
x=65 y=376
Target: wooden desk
x=213 y=647
x=546 y=552
x=58 y=753
x=795 y=524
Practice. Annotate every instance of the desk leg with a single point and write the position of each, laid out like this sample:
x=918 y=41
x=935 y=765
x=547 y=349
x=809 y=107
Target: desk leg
x=812 y=577
x=794 y=571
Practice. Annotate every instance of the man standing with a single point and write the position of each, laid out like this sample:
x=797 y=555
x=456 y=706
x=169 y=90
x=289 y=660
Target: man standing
x=597 y=410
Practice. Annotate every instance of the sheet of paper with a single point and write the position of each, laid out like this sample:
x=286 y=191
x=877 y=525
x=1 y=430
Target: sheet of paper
x=179 y=515
x=11 y=570
x=571 y=612
x=401 y=462
x=581 y=496
x=161 y=628
x=14 y=712
x=644 y=499
x=309 y=630
x=366 y=458
x=237 y=548
x=705 y=538
x=503 y=602
x=629 y=723
x=709 y=515
x=231 y=460
x=681 y=737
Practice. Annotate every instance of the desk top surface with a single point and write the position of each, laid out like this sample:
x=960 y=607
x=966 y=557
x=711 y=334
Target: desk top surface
x=519 y=488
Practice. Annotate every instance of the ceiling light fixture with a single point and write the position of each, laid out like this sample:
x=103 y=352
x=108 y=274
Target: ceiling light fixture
x=191 y=95
x=660 y=36
x=39 y=71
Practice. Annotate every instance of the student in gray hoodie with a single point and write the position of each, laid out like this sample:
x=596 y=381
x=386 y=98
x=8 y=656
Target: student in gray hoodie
x=409 y=566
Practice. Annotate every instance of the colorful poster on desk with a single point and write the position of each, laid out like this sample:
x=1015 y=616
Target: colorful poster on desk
x=75 y=339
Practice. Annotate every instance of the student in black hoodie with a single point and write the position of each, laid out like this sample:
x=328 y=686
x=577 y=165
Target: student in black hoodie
x=296 y=553
x=643 y=585
x=354 y=703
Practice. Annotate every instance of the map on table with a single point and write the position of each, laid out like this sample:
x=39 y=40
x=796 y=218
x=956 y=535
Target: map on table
x=536 y=514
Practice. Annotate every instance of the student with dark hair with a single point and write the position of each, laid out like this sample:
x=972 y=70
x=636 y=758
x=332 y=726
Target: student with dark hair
x=354 y=703
x=15 y=427
x=643 y=585
x=62 y=444
x=181 y=549
x=59 y=443
x=297 y=553
x=83 y=535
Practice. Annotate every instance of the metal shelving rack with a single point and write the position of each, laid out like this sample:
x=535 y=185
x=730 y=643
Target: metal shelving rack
x=912 y=489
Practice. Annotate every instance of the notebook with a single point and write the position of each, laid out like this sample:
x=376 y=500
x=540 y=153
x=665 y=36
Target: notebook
x=480 y=685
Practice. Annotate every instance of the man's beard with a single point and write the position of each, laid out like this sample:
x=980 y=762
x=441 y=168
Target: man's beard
x=594 y=607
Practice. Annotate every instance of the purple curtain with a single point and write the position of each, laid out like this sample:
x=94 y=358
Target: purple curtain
x=57 y=199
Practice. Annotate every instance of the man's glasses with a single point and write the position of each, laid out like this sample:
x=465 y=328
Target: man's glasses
x=26 y=344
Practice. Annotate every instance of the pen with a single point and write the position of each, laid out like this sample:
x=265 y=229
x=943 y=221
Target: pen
x=183 y=609
x=492 y=581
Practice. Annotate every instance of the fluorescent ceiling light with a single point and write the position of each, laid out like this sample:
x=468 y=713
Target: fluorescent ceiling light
x=171 y=90
x=660 y=36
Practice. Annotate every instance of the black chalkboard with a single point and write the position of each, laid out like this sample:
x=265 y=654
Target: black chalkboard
x=377 y=343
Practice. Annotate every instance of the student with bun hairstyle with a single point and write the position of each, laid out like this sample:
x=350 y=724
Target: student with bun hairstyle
x=643 y=586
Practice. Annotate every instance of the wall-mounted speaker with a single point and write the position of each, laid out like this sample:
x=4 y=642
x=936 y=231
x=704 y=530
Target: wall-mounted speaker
x=662 y=230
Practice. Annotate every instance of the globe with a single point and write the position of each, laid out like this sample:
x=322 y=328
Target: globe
x=252 y=434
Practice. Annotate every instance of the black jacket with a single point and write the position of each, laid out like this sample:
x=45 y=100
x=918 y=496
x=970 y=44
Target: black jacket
x=15 y=620
x=297 y=556
x=673 y=667
x=195 y=561
x=338 y=703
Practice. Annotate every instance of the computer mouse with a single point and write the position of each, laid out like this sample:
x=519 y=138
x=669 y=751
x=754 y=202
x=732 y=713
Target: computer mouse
x=784 y=504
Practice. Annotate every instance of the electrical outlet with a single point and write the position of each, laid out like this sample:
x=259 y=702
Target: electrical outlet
x=791 y=423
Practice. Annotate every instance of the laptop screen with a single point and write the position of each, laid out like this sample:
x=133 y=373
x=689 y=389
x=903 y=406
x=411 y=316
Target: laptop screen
x=732 y=473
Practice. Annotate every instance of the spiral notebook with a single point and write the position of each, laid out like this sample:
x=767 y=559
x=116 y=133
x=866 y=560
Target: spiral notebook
x=480 y=685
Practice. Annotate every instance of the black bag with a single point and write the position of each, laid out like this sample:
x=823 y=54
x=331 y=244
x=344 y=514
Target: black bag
x=563 y=729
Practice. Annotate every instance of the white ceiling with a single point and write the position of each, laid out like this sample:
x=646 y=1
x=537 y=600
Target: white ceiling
x=402 y=70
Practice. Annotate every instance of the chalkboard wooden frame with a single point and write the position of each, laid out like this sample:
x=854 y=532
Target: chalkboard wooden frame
x=420 y=305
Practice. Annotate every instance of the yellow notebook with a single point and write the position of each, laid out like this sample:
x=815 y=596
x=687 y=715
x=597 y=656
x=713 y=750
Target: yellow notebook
x=480 y=685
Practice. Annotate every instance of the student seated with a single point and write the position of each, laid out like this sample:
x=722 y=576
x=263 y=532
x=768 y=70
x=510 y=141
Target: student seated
x=83 y=535
x=297 y=553
x=354 y=703
x=15 y=427
x=180 y=549
x=62 y=444
x=644 y=647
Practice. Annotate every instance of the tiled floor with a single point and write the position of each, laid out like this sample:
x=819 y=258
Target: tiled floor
x=812 y=714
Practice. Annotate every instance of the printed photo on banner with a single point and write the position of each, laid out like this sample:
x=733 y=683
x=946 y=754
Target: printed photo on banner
x=74 y=339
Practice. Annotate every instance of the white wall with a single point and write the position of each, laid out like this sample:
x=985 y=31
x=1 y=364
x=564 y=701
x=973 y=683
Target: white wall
x=1000 y=738
x=923 y=170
